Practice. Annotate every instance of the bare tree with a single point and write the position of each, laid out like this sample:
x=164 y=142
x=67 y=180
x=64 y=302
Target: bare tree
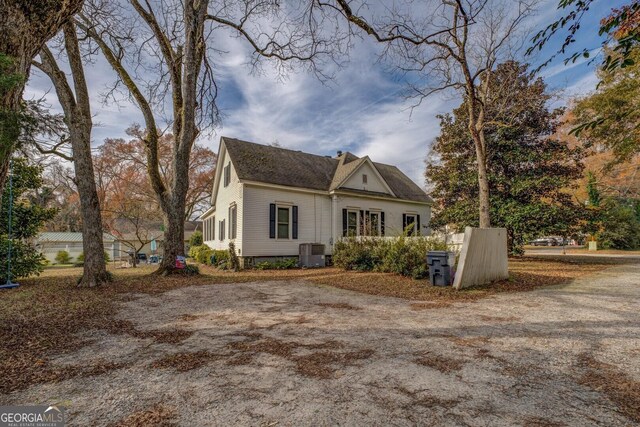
x=74 y=99
x=172 y=41
x=451 y=45
x=25 y=27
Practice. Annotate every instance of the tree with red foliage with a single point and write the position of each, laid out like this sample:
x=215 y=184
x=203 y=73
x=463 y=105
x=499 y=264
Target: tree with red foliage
x=130 y=208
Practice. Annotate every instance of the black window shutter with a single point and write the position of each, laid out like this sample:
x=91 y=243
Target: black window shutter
x=294 y=222
x=272 y=221
x=362 y=223
x=417 y=225
x=404 y=222
x=344 y=223
x=382 y=223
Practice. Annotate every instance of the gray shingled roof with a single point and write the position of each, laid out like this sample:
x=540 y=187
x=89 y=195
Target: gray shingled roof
x=275 y=165
x=68 y=237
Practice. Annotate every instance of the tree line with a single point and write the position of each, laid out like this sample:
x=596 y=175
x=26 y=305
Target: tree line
x=162 y=58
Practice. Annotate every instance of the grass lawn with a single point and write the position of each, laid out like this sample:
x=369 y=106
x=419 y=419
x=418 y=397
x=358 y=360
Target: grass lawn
x=44 y=315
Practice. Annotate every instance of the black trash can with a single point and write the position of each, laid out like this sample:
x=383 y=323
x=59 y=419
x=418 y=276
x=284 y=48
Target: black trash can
x=441 y=264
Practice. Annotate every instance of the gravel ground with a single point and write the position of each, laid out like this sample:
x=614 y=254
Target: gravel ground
x=291 y=353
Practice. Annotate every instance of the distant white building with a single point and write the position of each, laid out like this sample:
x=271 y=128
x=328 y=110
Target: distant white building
x=269 y=200
x=50 y=243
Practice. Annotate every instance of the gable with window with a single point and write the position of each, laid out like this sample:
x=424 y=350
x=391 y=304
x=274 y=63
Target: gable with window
x=283 y=221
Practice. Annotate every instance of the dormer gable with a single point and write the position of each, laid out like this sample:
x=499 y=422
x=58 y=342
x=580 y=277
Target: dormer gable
x=359 y=174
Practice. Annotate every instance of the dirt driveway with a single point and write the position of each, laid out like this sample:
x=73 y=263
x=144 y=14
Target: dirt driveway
x=292 y=353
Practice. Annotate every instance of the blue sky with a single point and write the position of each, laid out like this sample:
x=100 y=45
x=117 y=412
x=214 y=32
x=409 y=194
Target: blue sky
x=362 y=110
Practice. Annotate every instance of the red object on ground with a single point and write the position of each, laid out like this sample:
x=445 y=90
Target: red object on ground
x=181 y=262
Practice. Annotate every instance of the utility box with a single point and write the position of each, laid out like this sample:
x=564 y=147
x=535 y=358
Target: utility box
x=441 y=265
x=593 y=246
x=311 y=255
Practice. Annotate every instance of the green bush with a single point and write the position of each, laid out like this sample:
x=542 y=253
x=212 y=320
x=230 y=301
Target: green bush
x=203 y=254
x=196 y=239
x=620 y=225
x=283 y=264
x=63 y=257
x=220 y=257
x=400 y=255
x=25 y=260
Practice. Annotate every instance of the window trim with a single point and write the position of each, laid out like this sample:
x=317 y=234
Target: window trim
x=368 y=224
x=357 y=225
x=415 y=223
x=289 y=222
x=364 y=178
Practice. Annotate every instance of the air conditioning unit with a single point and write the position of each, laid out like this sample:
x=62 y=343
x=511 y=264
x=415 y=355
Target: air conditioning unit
x=311 y=255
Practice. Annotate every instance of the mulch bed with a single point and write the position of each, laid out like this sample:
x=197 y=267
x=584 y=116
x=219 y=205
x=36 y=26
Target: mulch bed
x=525 y=274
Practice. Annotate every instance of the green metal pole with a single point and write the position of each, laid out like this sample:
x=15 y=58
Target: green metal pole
x=9 y=283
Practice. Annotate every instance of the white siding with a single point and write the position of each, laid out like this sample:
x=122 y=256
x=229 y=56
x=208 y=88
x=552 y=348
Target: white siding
x=314 y=220
x=393 y=211
x=373 y=182
x=224 y=198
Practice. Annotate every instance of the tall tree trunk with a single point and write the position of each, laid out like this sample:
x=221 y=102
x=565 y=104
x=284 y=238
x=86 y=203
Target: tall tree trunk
x=77 y=111
x=95 y=268
x=25 y=27
x=185 y=86
x=173 y=240
x=483 y=186
x=476 y=129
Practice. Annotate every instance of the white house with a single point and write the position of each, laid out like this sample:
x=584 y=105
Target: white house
x=269 y=200
x=50 y=243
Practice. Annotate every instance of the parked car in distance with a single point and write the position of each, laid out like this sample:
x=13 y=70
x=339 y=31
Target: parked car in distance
x=142 y=257
x=544 y=241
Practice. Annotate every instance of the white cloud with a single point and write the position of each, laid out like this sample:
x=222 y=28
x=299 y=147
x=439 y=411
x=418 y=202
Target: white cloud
x=583 y=85
x=362 y=110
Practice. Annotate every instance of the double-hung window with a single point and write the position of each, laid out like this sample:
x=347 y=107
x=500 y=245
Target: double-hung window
x=221 y=229
x=233 y=221
x=373 y=227
x=283 y=221
x=352 y=223
x=411 y=224
x=358 y=222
